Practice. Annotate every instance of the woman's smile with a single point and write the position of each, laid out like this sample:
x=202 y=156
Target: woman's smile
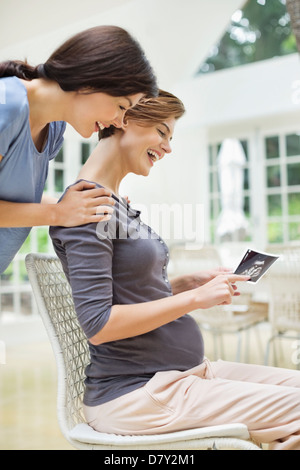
x=153 y=156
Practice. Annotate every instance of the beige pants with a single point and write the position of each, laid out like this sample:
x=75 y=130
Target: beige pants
x=266 y=399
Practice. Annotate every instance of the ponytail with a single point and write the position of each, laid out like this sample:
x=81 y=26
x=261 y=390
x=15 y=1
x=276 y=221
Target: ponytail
x=21 y=69
x=103 y=59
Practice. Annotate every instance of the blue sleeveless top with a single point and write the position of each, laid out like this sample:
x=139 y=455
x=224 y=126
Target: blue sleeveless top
x=23 y=170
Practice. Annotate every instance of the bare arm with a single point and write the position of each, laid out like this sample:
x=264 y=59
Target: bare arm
x=46 y=199
x=25 y=215
x=126 y=320
x=82 y=204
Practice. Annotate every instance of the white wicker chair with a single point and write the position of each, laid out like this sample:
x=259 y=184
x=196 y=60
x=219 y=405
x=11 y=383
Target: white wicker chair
x=71 y=351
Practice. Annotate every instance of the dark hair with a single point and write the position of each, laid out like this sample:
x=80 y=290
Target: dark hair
x=101 y=59
x=150 y=111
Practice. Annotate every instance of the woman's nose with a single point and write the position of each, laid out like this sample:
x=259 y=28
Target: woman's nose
x=167 y=147
x=118 y=123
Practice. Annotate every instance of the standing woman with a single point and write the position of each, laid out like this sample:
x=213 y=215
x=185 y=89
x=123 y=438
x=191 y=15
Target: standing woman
x=89 y=82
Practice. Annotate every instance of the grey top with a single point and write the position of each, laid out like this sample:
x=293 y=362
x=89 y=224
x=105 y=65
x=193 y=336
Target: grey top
x=123 y=261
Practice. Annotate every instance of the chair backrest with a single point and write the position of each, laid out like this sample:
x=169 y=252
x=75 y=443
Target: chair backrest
x=55 y=304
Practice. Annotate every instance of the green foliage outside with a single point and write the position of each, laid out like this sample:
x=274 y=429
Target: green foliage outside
x=261 y=30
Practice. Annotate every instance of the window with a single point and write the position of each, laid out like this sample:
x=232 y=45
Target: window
x=15 y=292
x=85 y=152
x=282 y=170
x=55 y=183
x=271 y=187
x=214 y=189
x=214 y=192
x=59 y=172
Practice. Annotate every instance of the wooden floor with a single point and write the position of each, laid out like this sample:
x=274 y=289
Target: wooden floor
x=28 y=385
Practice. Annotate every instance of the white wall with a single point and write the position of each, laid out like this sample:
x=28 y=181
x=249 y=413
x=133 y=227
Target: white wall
x=247 y=93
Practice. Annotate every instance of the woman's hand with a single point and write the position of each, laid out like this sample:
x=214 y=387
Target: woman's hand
x=127 y=199
x=194 y=280
x=218 y=291
x=82 y=204
x=202 y=277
